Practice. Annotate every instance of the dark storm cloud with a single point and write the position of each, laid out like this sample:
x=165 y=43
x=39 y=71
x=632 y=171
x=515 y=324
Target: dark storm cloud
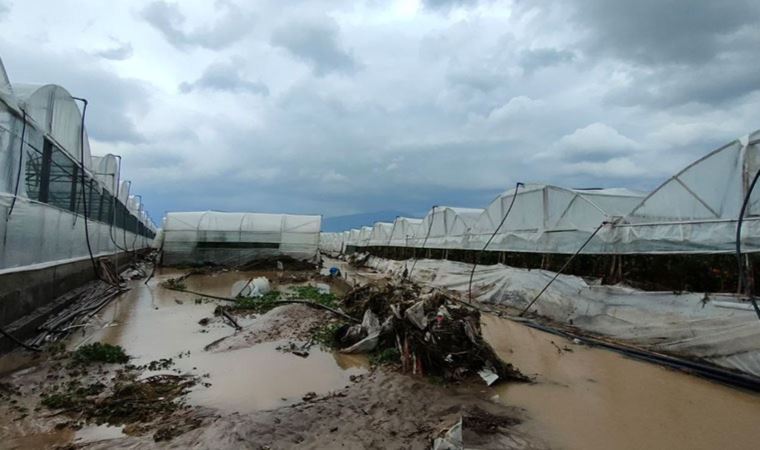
x=120 y=52
x=169 y=20
x=225 y=76
x=317 y=44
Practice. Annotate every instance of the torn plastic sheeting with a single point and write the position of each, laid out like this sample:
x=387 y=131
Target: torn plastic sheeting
x=366 y=345
x=452 y=440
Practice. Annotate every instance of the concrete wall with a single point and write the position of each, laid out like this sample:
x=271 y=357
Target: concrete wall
x=25 y=296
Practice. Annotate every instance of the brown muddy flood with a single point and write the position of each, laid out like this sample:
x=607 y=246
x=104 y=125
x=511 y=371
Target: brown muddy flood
x=151 y=323
x=589 y=398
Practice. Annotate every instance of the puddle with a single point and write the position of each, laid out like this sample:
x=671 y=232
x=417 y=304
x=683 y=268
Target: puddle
x=152 y=323
x=597 y=399
x=262 y=377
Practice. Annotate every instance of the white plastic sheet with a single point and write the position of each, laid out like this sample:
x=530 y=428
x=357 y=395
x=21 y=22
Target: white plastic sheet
x=684 y=324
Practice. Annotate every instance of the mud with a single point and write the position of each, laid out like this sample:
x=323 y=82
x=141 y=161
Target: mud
x=587 y=398
x=253 y=391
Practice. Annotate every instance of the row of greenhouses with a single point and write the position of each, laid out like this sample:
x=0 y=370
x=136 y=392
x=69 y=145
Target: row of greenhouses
x=58 y=202
x=695 y=211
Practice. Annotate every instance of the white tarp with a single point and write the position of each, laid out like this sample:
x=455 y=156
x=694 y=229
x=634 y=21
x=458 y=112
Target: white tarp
x=717 y=328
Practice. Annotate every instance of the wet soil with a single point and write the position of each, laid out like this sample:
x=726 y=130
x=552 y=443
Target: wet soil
x=252 y=390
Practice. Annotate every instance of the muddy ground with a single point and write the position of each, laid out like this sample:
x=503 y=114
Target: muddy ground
x=216 y=388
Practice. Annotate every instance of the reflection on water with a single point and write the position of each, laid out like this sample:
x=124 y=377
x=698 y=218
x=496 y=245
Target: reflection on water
x=152 y=323
x=596 y=399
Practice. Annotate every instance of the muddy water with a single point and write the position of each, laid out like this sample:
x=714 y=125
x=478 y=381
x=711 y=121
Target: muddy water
x=152 y=323
x=596 y=399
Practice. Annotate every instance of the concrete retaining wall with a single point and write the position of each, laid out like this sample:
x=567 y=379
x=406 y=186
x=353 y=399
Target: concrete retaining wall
x=27 y=297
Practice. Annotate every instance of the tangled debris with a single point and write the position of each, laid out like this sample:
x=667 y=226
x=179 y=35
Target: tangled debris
x=429 y=333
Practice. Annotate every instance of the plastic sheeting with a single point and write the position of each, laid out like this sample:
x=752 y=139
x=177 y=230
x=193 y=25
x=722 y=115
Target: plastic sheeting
x=237 y=238
x=549 y=219
x=696 y=210
x=380 y=234
x=37 y=234
x=719 y=328
x=404 y=229
x=46 y=225
x=445 y=227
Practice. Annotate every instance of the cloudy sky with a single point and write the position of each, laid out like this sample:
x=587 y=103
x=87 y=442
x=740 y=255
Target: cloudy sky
x=340 y=107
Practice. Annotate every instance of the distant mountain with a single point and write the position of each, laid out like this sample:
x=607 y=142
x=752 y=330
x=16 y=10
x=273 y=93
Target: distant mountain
x=342 y=223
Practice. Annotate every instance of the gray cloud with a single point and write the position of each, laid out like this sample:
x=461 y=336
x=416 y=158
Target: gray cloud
x=535 y=59
x=4 y=8
x=317 y=44
x=169 y=20
x=664 y=32
x=120 y=52
x=225 y=76
x=112 y=99
x=713 y=84
x=447 y=5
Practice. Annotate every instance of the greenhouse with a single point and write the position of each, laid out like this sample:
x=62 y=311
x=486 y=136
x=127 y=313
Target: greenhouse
x=697 y=210
x=44 y=153
x=404 y=229
x=445 y=227
x=381 y=234
x=549 y=219
x=237 y=238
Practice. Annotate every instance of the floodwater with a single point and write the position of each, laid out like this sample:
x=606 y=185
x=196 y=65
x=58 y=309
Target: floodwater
x=589 y=399
x=151 y=323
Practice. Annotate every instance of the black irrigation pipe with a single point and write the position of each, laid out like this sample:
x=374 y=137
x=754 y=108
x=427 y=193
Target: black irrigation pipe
x=424 y=242
x=480 y=253
x=562 y=269
x=742 y=275
x=708 y=371
x=20 y=164
x=83 y=180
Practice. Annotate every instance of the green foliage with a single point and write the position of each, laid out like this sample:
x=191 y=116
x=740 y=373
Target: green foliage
x=59 y=401
x=386 y=356
x=258 y=304
x=312 y=293
x=99 y=352
x=326 y=334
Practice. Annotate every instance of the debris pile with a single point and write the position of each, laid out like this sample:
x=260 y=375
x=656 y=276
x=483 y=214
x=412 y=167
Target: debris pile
x=430 y=333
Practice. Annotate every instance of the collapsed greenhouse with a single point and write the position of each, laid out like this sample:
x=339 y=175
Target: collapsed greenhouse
x=210 y=237
x=61 y=206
